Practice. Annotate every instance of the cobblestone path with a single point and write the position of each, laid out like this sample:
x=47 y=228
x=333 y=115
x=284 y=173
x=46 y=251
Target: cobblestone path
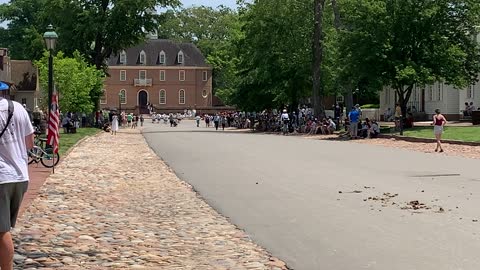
x=113 y=204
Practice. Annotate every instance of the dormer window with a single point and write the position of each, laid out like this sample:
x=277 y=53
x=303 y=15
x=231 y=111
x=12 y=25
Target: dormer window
x=143 y=58
x=162 y=58
x=123 y=57
x=180 y=57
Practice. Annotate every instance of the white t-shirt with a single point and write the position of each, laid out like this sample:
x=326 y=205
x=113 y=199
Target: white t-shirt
x=332 y=124
x=13 y=151
x=285 y=117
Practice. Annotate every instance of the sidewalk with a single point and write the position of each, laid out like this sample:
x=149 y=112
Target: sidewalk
x=113 y=204
x=38 y=175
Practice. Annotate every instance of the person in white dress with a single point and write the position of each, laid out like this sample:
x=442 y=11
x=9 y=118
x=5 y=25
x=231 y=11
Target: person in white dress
x=114 y=124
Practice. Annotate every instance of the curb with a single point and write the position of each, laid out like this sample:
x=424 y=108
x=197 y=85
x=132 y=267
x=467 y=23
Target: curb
x=426 y=140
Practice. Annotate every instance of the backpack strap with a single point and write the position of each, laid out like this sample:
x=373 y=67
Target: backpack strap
x=11 y=109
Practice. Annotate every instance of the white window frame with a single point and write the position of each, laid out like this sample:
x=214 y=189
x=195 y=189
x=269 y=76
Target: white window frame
x=204 y=93
x=180 y=72
x=430 y=93
x=123 y=57
x=470 y=91
x=124 y=101
x=162 y=54
x=439 y=91
x=103 y=98
x=180 y=96
x=124 y=72
x=205 y=76
x=140 y=76
x=144 y=55
x=164 y=75
x=181 y=57
x=164 y=97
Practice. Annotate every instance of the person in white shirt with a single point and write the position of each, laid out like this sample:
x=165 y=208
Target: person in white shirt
x=197 y=119
x=16 y=138
x=331 y=126
x=285 y=116
x=285 y=121
x=374 y=130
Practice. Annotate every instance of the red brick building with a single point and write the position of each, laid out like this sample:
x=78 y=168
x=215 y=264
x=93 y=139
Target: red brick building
x=170 y=76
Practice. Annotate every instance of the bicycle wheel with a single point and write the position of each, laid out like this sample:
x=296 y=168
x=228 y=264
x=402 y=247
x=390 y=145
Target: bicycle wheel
x=47 y=159
x=33 y=155
x=31 y=159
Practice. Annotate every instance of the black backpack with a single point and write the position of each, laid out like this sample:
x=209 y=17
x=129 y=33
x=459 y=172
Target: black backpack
x=10 y=115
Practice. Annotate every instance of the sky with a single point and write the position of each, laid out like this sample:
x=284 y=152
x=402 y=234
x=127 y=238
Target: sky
x=188 y=3
x=212 y=3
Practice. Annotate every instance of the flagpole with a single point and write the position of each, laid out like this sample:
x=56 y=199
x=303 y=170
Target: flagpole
x=54 y=128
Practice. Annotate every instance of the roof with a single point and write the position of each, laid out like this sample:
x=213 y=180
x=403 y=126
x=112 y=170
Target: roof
x=193 y=57
x=24 y=75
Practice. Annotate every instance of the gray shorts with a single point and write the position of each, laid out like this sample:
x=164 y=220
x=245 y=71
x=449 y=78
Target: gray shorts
x=354 y=129
x=11 y=196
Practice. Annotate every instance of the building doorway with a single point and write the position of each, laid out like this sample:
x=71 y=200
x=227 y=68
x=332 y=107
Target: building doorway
x=142 y=102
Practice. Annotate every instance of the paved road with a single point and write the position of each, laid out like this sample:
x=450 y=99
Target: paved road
x=285 y=193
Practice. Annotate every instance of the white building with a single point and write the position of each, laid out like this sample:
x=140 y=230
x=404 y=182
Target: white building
x=425 y=99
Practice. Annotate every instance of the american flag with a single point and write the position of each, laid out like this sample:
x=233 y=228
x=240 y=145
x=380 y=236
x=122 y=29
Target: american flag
x=53 y=123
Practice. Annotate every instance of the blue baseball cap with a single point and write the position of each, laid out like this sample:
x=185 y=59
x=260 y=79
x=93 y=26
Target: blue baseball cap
x=3 y=86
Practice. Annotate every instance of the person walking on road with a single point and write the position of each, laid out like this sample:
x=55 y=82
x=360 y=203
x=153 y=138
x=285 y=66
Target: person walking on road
x=114 y=124
x=224 y=121
x=170 y=118
x=439 y=122
x=216 y=121
x=207 y=121
x=285 y=120
x=141 y=120
x=129 y=119
x=16 y=137
x=197 y=119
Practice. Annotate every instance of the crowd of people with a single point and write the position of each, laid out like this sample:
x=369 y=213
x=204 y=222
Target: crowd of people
x=299 y=121
x=115 y=121
x=358 y=129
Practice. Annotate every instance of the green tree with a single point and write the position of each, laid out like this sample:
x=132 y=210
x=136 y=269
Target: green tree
x=96 y=28
x=26 y=20
x=410 y=42
x=275 y=54
x=214 y=31
x=75 y=79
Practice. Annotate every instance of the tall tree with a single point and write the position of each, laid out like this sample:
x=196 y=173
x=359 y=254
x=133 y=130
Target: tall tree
x=411 y=43
x=275 y=54
x=214 y=31
x=75 y=80
x=100 y=28
x=318 y=47
x=26 y=24
x=96 y=28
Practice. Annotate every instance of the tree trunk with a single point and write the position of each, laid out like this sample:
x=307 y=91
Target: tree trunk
x=318 y=38
x=404 y=97
x=336 y=12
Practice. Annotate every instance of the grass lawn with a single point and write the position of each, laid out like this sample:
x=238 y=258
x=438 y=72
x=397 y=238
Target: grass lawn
x=468 y=134
x=68 y=140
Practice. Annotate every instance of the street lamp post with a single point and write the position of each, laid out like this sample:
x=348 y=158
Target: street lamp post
x=50 y=38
